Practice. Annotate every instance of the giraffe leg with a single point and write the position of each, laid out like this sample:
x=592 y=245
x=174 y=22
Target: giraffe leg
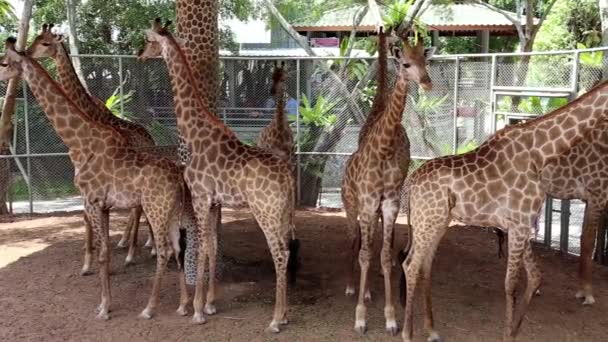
x=150 y=240
x=368 y=222
x=202 y=207
x=533 y=274
x=593 y=214
x=209 y=304
x=162 y=258
x=354 y=233
x=126 y=234
x=88 y=247
x=411 y=266
x=99 y=219
x=134 y=222
x=517 y=242
x=390 y=208
x=427 y=265
x=277 y=242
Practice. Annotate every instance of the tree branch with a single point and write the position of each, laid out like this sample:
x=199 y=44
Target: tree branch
x=415 y=11
x=10 y=99
x=542 y=18
x=506 y=14
x=359 y=15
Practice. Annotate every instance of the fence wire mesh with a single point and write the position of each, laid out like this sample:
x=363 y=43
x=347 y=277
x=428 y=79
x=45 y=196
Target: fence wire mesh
x=326 y=109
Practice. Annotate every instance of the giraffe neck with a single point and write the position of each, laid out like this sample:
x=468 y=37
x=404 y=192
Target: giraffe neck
x=280 y=117
x=387 y=124
x=197 y=23
x=67 y=119
x=71 y=83
x=555 y=133
x=193 y=117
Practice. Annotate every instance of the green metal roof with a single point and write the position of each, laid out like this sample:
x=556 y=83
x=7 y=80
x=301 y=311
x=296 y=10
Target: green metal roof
x=457 y=16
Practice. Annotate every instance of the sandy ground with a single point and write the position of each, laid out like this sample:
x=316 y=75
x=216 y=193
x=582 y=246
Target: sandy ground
x=42 y=296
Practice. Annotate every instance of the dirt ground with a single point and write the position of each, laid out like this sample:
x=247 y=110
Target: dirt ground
x=43 y=297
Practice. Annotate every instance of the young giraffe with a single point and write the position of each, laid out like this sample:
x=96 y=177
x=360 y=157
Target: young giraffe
x=224 y=170
x=375 y=173
x=277 y=136
x=48 y=44
x=580 y=173
x=109 y=175
x=496 y=185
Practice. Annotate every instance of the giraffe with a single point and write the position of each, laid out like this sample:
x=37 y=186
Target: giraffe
x=224 y=170
x=580 y=173
x=277 y=136
x=375 y=172
x=496 y=185
x=109 y=174
x=49 y=44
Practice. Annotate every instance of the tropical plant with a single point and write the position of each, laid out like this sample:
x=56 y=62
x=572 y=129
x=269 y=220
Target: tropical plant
x=592 y=59
x=319 y=114
x=116 y=101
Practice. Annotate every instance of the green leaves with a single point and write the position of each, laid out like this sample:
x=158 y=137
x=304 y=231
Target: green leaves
x=113 y=103
x=319 y=114
x=592 y=59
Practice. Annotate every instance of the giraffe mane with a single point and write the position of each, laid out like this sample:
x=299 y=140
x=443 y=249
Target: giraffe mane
x=63 y=94
x=198 y=96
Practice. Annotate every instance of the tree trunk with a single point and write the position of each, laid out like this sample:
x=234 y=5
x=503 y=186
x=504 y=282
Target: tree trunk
x=8 y=108
x=73 y=39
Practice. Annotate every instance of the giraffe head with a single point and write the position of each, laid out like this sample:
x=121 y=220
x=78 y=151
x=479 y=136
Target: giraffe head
x=46 y=44
x=154 y=38
x=413 y=61
x=10 y=63
x=279 y=75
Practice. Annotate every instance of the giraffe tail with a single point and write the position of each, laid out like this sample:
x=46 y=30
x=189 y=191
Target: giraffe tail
x=293 y=263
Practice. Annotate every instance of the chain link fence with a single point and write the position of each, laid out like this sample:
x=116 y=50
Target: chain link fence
x=472 y=96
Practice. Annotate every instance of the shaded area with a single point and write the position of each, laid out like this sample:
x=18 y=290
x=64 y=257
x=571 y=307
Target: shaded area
x=43 y=298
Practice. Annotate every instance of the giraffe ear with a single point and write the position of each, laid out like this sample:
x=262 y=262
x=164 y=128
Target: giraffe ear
x=396 y=52
x=152 y=36
x=13 y=55
x=58 y=38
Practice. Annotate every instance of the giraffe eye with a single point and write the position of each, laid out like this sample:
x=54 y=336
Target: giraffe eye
x=46 y=44
x=4 y=65
x=406 y=65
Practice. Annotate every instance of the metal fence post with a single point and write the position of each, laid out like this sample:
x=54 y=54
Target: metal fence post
x=122 y=91
x=492 y=104
x=455 y=108
x=298 y=156
x=548 y=220
x=27 y=148
x=576 y=66
x=565 y=225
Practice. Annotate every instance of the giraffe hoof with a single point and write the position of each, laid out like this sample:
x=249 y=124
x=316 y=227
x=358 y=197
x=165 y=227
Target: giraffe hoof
x=537 y=292
x=350 y=291
x=273 y=328
x=129 y=260
x=434 y=337
x=122 y=243
x=153 y=252
x=284 y=321
x=360 y=327
x=392 y=328
x=589 y=300
x=86 y=271
x=368 y=296
x=103 y=316
x=198 y=318
x=149 y=243
x=146 y=314
x=182 y=311
x=210 y=309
